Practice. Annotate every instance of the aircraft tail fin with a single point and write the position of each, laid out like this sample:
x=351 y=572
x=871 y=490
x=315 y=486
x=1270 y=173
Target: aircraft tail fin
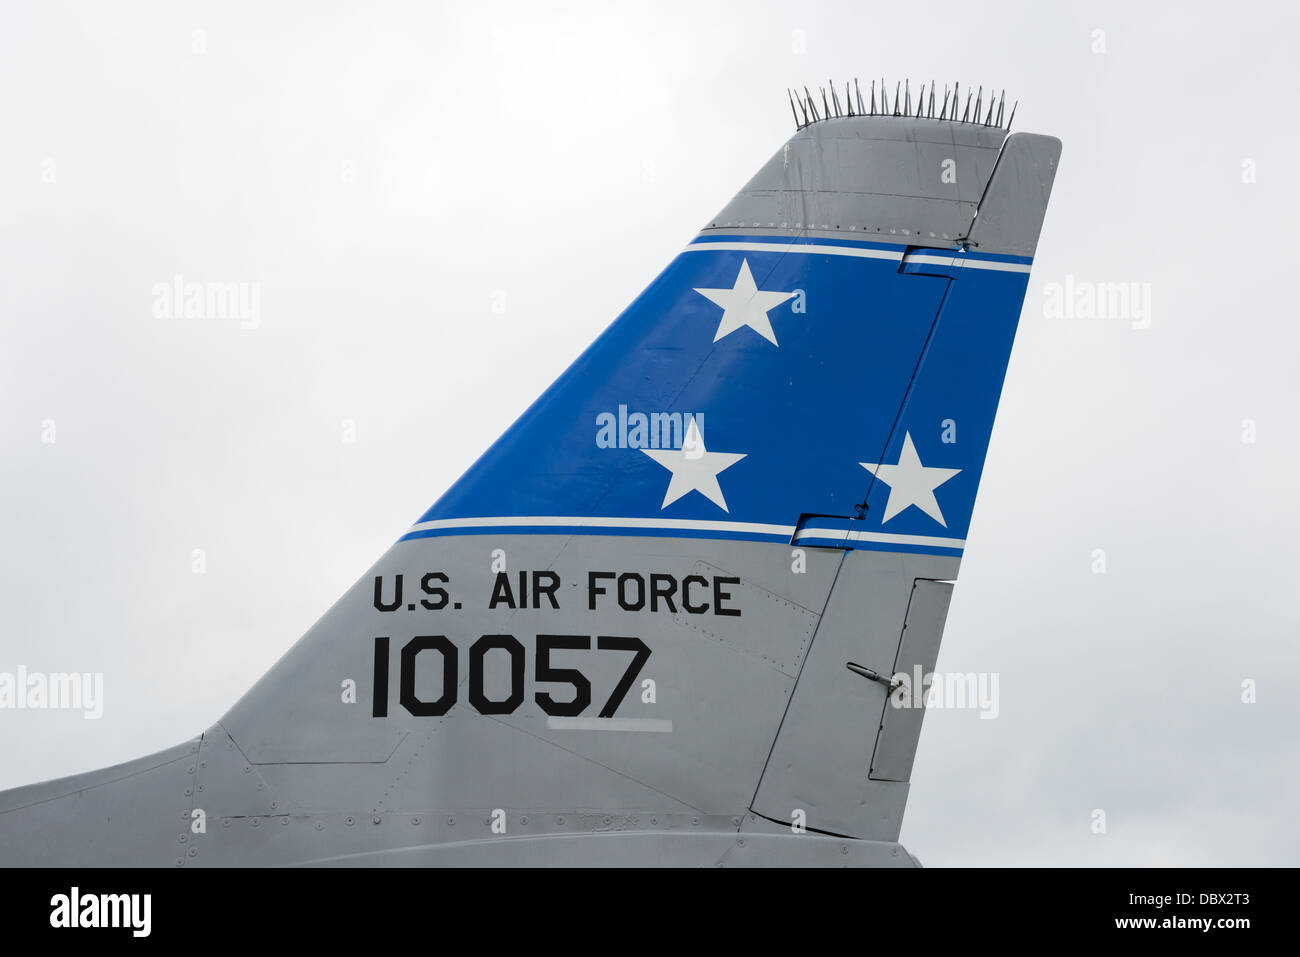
x=670 y=603
x=797 y=407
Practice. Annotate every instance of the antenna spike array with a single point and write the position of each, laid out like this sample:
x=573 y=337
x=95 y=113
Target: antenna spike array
x=806 y=110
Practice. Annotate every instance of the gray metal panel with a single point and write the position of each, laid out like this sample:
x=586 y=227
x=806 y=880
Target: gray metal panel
x=884 y=176
x=781 y=621
x=226 y=784
x=285 y=797
x=519 y=772
x=918 y=647
x=16 y=798
x=1011 y=214
x=722 y=681
x=821 y=759
x=643 y=850
x=136 y=813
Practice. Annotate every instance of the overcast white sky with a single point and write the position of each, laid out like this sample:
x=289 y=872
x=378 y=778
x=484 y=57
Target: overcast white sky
x=383 y=170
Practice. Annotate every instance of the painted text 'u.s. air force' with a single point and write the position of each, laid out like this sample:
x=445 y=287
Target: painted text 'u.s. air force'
x=629 y=591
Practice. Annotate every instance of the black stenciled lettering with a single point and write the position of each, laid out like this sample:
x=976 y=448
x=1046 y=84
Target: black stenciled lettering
x=687 y=582
x=593 y=589
x=439 y=595
x=617 y=643
x=719 y=596
x=662 y=588
x=431 y=709
x=547 y=587
x=626 y=603
x=545 y=674
x=501 y=592
x=509 y=644
x=380 y=706
x=379 y=594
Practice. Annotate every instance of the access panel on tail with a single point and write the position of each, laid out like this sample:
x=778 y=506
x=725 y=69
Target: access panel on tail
x=656 y=622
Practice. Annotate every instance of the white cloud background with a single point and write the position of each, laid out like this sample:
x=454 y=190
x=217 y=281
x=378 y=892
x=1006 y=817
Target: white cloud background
x=562 y=153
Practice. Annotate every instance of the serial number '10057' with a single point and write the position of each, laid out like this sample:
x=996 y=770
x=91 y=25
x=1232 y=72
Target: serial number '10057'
x=509 y=647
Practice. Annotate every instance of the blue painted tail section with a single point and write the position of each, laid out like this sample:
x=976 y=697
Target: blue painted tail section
x=873 y=349
x=790 y=381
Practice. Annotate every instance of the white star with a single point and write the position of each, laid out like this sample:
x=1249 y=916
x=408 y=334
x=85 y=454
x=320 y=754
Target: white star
x=694 y=468
x=911 y=483
x=744 y=305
